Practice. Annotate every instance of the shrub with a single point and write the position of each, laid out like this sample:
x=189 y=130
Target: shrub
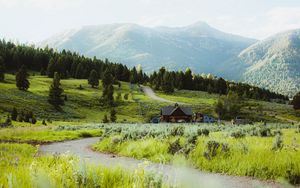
x=116 y=140
x=14 y=114
x=212 y=148
x=177 y=131
x=7 y=122
x=204 y=132
x=44 y=122
x=105 y=119
x=237 y=134
x=278 y=143
x=174 y=147
x=192 y=139
x=187 y=149
x=85 y=134
x=126 y=96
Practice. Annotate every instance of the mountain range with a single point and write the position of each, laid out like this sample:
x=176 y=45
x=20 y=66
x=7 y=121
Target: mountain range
x=273 y=63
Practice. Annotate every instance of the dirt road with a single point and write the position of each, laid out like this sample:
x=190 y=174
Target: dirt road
x=150 y=93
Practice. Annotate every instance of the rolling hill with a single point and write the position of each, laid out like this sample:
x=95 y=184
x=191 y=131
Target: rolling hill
x=198 y=46
x=274 y=63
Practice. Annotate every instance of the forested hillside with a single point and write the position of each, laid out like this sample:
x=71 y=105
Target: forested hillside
x=274 y=63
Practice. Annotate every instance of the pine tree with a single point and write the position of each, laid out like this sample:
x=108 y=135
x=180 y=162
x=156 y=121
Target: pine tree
x=79 y=71
x=296 y=101
x=105 y=119
x=22 y=79
x=43 y=71
x=55 y=92
x=14 y=114
x=108 y=89
x=2 y=69
x=188 y=79
x=113 y=115
x=167 y=85
x=51 y=68
x=93 y=78
x=134 y=76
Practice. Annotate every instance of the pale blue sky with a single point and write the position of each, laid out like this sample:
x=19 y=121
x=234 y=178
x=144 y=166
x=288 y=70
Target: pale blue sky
x=35 y=20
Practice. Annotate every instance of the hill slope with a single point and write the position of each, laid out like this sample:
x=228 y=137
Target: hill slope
x=198 y=46
x=274 y=63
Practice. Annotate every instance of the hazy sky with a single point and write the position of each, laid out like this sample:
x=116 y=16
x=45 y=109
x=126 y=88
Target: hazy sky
x=35 y=20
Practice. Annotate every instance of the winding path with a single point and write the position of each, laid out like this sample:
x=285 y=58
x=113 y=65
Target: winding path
x=187 y=176
x=150 y=93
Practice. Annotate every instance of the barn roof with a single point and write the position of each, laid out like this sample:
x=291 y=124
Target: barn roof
x=168 y=110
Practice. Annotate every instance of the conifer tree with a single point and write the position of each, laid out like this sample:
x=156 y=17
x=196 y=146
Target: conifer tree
x=167 y=84
x=79 y=71
x=14 y=114
x=113 y=115
x=2 y=69
x=43 y=71
x=22 y=79
x=51 y=68
x=93 y=78
x=55 y=92
x=105 y=119
x=296 y=101
x=108 y=89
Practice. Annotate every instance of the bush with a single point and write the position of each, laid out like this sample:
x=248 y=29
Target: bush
x=187 y=149
x=192 y=139
x=7 y=122
x=85 y=134
x=204 y=132
x=116 y=140
x=44 y=122
x=174 y=147
x=237 y=134
x=177 y=131
x=264 y=132
x=126 y=96
x=278 y=143
x=212 y=148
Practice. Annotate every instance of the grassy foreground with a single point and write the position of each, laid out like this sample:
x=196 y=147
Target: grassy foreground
x=265 y=152
x=21 y=167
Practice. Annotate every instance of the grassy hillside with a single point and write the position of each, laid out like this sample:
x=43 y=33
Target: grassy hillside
x=252 y=109
x=83 y=105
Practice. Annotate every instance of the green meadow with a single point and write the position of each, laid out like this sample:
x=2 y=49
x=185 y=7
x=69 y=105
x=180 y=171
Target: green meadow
x=261 y=151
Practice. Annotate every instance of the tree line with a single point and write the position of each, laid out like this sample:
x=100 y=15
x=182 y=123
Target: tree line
x=167 y=81
x=47 y=61
x=72 y=65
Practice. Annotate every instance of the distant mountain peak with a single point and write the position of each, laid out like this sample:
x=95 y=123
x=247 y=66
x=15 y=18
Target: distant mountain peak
x=198 y=46
x=200 y=24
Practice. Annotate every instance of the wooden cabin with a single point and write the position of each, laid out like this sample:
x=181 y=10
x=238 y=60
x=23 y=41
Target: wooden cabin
x=176 y=114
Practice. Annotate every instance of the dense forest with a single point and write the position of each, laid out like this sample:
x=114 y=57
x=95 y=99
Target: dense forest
x=68 y=64
x=168 y=80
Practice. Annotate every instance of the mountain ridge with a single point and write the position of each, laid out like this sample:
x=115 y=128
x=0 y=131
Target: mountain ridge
x=199 y=46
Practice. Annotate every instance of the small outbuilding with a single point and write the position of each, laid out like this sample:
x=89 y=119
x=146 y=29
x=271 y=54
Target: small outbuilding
x=176 y=114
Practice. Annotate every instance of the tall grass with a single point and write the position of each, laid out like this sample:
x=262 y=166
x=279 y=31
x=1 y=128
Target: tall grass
x=245 y=150
x=21 y=167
